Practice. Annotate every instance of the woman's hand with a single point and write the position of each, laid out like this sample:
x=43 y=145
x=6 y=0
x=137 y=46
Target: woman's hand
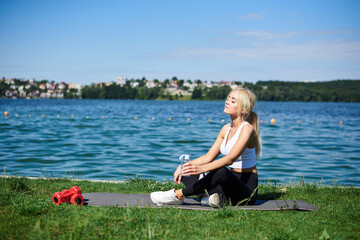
x=177 y=175
x=191 y=169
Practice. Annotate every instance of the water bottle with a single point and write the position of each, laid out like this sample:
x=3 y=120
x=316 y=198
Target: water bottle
x=184 y=159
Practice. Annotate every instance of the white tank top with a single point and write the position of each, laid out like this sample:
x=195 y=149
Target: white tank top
x=247 y=159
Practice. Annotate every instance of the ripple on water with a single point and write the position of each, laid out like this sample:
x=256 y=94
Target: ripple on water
x=40 y=161
x=119 y=146
x=83 y=126
x=188 y=141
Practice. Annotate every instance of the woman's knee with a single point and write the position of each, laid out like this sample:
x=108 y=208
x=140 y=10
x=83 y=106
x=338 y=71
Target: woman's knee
x=222 y=171
x=219 y=170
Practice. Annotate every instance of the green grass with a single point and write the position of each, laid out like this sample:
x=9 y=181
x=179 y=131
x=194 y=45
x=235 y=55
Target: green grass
x=27 y=212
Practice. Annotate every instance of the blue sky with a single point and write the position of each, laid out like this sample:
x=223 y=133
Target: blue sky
x=97 y=41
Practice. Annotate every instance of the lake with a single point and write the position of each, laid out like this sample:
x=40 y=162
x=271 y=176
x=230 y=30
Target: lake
x=102 y=139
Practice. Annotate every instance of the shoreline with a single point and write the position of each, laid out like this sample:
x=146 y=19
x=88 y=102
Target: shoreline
x=180 y=100
x=290 y=184
x=62 y=178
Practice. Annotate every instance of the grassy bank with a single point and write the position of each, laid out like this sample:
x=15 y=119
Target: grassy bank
x=27 y=212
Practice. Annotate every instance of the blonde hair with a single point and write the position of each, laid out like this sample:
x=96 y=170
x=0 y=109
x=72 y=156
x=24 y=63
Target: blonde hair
x=246 y=102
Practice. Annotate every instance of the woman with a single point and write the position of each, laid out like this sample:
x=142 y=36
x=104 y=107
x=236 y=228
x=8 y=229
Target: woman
x=232 y=178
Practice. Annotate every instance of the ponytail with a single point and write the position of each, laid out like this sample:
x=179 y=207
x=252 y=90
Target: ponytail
x=254 y=121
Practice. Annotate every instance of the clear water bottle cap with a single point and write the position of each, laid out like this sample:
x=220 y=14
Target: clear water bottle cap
x=184 y=156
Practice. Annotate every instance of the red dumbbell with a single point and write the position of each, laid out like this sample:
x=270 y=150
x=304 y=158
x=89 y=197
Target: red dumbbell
x=73 y=195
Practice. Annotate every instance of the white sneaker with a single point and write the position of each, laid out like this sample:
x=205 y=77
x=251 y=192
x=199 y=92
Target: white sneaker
x=212 y=201
x=165 y=198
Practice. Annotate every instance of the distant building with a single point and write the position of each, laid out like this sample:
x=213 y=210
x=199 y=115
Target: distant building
x=308 y=80
x=10 y=93
x=49 y=85
x=10 y=81
x=224 y=83
x=150 y=84
x=121 y=81
x=74 y=86
x=208 y=84
x=134 y=84
x=57 y=95
x=42 y=86
x=191 y=86
x=173 y=84
x=61 y=86
x=23 y=94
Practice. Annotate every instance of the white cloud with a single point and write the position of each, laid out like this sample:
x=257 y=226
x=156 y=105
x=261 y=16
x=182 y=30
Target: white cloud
x=335 y=45
x=334 y=50
x=268 y=35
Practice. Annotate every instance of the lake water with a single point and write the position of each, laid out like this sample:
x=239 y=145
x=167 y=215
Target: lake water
x=102 y=140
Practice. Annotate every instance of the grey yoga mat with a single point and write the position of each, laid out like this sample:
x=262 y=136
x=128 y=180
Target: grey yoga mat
x=144 y=200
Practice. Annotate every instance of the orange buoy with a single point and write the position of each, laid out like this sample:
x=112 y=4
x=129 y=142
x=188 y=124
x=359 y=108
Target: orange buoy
x=298 y=122
x=209 y=120
x=103 y=117
x=170 y=119
x=136 y=118
x=43 y=115
x=273 y=121
x=340 y=123
x=189 y=119
x=262 y=121
x=6 y=113
x=72 y=116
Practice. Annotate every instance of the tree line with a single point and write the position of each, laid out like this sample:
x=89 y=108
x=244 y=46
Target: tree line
x=330 y=91
x=115 y=91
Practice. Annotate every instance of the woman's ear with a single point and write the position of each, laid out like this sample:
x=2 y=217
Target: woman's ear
x=243 y=112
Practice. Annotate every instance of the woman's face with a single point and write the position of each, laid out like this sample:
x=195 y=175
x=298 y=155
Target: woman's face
x=231 y=106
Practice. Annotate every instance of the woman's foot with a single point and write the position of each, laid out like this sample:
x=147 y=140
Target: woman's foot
x=212 y=201
x=166 y=198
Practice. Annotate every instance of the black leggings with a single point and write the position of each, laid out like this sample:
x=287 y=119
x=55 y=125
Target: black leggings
x=232 y=186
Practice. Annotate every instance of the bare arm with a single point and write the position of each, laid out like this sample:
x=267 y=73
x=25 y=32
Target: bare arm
x=208 y=157
x=214 y=151
x=245 y=136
